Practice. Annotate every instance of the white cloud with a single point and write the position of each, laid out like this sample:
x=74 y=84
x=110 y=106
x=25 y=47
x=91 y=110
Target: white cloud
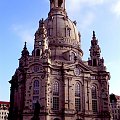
x=24 y=33
x=88 y=20
x=83 y=11
x=116 y=8
x=75 y=5
x=92 y=2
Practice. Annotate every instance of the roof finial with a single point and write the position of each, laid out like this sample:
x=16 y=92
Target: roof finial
x=25 y=46
x=41 y=22
x=93 y=33
x=25 y=51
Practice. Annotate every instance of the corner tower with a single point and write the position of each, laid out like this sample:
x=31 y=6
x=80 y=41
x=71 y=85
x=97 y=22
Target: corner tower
x=94 y=52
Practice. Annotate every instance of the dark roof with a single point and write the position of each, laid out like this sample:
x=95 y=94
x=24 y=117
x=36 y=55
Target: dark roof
x=4 y=102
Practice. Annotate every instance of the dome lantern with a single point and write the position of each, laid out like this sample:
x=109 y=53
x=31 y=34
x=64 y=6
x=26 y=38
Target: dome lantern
x=57 y=4
x=57 y=7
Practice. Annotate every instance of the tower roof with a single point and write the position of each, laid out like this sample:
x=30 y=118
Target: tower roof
x=95 y=49
x=25 y=52
x=57 y=7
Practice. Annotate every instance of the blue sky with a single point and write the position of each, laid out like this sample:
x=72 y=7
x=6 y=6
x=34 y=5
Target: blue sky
x=19 y=21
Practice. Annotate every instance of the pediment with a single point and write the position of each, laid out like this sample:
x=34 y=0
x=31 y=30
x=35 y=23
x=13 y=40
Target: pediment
x=84 y=68
x=35 y=68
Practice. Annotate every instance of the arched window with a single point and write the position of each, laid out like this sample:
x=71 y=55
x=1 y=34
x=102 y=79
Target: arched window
x=94 y=62
x=72 y=56
x=55 y=88
x=77 y=96
x=94 y=92
x=37 y=52
x=49 y=31
x=94 y=98
x=67 y=31
x=55 y=96
x=35 y=92
x=36 y=84
x=77 y=90
x=36 y=87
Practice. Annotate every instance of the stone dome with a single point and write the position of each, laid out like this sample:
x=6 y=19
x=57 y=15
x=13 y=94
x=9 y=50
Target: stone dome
x=60 y=29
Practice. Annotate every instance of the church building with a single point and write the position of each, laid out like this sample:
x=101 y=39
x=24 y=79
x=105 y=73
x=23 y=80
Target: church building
x=54 y=82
